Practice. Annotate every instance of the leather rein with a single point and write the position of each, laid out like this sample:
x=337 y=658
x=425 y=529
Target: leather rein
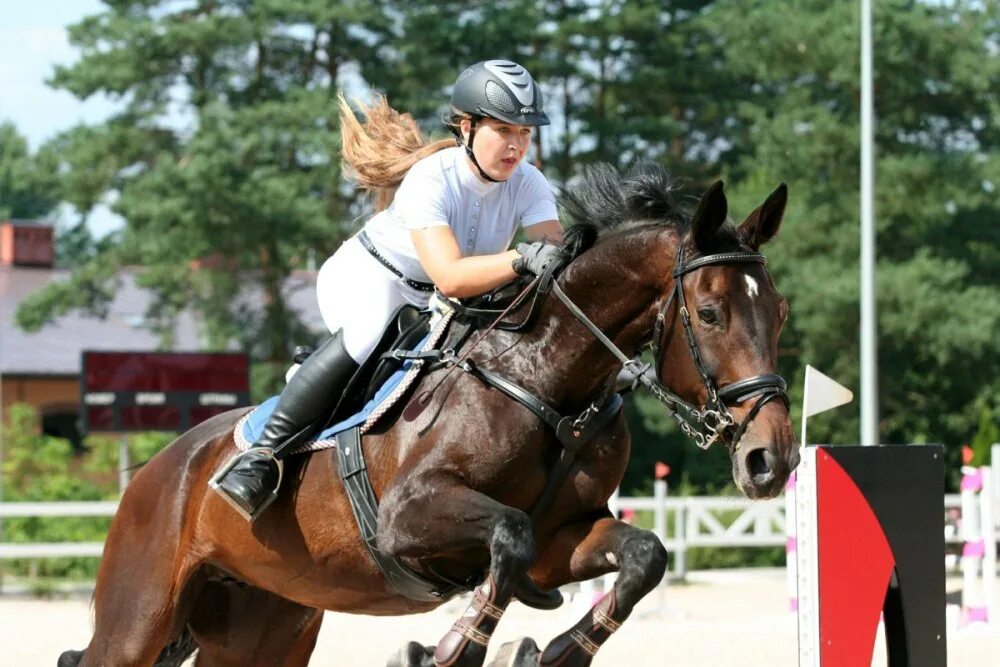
x=703 y=425
x=707 y=424
x=574 y=431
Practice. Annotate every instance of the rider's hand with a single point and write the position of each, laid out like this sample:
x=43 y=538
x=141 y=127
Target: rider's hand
x=536 y=257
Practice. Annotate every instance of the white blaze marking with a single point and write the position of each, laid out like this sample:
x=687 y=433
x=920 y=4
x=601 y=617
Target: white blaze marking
x=752 y=290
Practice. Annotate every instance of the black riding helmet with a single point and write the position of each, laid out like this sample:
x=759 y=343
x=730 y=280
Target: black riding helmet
x=499 y=89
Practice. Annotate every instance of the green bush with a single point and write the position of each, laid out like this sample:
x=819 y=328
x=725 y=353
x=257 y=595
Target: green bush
x=711 y=558
x=40 y=468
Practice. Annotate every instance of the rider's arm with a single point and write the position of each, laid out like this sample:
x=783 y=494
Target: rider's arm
x=438 y=250
x=539 y=218
x=549 y=231
x=457 y=276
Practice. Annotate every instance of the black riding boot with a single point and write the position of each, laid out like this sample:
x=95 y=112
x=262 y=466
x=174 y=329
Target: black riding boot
x=250 y=482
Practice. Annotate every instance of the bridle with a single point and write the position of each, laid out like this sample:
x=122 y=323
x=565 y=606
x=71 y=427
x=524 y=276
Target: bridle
x=714 y=417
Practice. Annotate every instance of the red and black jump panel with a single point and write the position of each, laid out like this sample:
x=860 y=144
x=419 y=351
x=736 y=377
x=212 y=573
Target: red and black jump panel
x=877 y=552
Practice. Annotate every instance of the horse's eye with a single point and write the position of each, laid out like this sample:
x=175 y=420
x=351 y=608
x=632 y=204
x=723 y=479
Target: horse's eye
x=708 y=316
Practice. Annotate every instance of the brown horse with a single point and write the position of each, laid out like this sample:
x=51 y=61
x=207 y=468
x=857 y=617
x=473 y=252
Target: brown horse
x=182 y=571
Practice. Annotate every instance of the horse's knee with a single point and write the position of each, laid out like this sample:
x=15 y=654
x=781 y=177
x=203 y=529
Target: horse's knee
x=512 y=542
x=643 y=561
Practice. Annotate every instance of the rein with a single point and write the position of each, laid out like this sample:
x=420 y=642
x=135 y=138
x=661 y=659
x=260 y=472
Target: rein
x=540 y=285
x=574 y=431
x=703 y=425
x=715 y=416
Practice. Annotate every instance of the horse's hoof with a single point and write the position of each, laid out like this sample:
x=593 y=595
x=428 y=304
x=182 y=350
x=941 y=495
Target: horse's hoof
x=533 y=596
x=520 y=653
x=70 y=659
x=412 y=655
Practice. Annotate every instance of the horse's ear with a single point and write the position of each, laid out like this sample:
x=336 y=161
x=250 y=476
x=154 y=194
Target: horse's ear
x=709 y=217
x=763 y=223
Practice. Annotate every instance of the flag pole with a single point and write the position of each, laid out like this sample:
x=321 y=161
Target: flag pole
x=869 y=326
x=805 y=402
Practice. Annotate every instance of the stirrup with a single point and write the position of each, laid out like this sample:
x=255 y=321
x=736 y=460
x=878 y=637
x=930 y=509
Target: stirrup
x=215 y=486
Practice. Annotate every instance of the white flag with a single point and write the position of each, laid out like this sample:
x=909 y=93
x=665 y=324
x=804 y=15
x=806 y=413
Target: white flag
x=822 y=393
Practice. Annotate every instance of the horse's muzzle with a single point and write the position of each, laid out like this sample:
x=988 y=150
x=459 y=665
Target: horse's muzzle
x=767 y=457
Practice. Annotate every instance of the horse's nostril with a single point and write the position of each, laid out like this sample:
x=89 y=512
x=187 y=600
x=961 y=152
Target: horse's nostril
x=772 y=462
x=757 y=463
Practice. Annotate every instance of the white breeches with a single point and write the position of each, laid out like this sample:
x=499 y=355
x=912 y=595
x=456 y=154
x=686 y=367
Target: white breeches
x=357 y=294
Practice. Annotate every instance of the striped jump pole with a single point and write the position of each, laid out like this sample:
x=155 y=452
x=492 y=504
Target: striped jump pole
x=979 y=556
x=791 y=545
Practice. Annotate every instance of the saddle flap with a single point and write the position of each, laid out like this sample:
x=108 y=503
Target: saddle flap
x=413 y=326
x=372 y=374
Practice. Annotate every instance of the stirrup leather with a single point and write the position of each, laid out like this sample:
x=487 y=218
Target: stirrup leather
x=215 y=485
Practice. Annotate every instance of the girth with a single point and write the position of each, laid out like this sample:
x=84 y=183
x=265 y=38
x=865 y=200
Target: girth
x=354 y=474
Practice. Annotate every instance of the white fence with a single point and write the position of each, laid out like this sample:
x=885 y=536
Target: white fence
x=54 y=549
x=697 y=521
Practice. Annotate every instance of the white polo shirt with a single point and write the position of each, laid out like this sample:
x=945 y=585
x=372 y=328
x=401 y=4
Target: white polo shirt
x=442 y=189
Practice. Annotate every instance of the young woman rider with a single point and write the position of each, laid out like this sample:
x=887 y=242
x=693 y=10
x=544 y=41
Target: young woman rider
x=448 y=226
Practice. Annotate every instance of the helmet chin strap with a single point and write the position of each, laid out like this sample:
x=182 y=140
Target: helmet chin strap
x=472 y=156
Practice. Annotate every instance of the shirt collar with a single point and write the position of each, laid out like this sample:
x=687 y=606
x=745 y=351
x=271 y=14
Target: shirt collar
x=469 y=178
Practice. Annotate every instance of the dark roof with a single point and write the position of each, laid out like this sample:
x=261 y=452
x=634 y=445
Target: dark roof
x=55 y=349
x=19 y=222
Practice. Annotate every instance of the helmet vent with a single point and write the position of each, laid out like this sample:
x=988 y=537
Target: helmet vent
x=499 y=97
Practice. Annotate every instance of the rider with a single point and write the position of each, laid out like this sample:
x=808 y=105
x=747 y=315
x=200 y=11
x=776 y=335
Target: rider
x=448 y=226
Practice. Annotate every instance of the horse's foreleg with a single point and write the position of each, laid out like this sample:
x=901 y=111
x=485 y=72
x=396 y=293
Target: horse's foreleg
x=586 y=550
x=428 y=515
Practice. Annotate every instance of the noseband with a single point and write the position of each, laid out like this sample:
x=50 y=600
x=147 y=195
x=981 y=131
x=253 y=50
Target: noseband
x=715 y=417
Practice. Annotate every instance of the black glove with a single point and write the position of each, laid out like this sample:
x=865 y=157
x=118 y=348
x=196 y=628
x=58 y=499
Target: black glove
x=536 y=257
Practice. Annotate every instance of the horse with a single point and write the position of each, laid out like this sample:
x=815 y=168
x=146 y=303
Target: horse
x=457 y=484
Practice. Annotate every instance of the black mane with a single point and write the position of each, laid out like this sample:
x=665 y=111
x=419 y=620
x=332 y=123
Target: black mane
x=607 y=201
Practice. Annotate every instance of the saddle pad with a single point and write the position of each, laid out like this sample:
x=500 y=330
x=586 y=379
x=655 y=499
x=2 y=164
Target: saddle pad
x=249 y=428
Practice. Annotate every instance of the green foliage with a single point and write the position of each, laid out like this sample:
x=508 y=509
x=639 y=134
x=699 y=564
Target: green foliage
x=988 y=431
x=225 y=147
x=39 y=468
x=27 y=182
x=938 y=301
x=89 y=289
x=788 y=79
x=708 y=558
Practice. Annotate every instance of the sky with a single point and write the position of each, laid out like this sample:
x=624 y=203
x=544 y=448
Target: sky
x=33 y=41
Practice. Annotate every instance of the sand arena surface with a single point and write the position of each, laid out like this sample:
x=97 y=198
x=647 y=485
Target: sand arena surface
x=718 y=619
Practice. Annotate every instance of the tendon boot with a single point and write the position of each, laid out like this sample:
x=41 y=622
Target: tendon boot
x=250 y=481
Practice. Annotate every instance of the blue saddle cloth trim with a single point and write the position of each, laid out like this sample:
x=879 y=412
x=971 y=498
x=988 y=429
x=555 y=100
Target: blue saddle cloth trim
x=254 y=425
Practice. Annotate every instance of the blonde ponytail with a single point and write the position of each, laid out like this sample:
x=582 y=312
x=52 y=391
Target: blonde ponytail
x=377 y=154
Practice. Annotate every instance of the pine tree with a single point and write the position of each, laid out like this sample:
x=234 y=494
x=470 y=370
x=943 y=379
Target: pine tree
x=27 y=187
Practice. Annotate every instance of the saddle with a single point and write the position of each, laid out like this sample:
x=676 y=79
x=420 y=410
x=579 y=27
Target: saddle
x=407 y=327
